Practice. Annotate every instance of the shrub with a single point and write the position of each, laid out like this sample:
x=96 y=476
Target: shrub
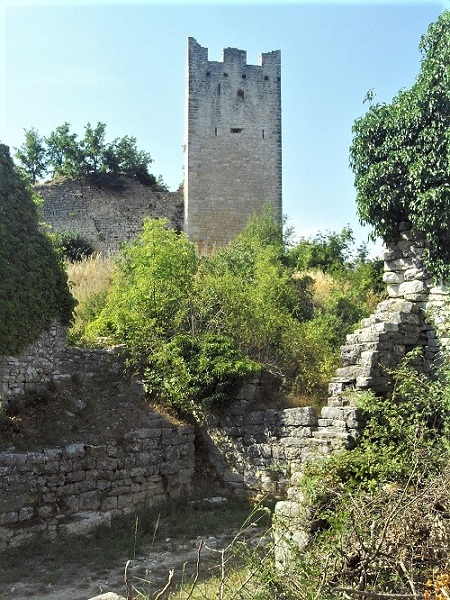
x=73 y=246
x=33 y=284
x=245 y=308
x=191 y=373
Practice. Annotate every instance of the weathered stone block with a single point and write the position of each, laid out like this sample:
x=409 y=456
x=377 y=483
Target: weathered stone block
x=393 y=277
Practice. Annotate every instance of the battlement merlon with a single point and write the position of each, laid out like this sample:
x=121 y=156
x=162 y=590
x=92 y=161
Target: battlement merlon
x=271 y=59
x=234 y=56
x=197 y=51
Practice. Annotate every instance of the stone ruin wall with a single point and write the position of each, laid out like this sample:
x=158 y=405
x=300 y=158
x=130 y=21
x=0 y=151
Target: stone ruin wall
x=71 y=490
x=106 y=217
x=251 y=450
x=414 y=315
x=34 y=369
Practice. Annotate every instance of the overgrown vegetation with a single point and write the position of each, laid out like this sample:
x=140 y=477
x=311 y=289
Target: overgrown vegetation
x=89 y=280
x=146 y=536
x=196 y=327
x=33 y=285
x=400 y=156
x=72 y=246
x=62 y=154
x=378 y=516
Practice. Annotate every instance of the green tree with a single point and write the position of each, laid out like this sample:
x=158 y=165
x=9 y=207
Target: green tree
x=400 y=155
x=63 y=151
x=32 y=155
x=92 y=156
x=33 y=282
x=328 y=252
x=122 y=157
x=93 y=147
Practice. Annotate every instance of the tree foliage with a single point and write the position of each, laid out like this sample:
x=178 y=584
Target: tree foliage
x=400 y=155
x=64 y=154
x=32 y=155
x=329 y=252
x=194 y=327
x=33 y=282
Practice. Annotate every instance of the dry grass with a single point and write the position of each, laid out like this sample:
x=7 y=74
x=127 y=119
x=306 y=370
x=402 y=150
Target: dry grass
x=90 y=276
x=88 y=279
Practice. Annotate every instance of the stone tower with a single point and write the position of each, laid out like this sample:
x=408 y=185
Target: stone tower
x=232 y=142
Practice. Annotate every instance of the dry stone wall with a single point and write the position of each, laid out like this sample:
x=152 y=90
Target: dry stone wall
x=265 y=451
x=71 y=490
x=256 y=451
x=33 y=370
x=78 y=486
x=415 y=315
x=104 y=216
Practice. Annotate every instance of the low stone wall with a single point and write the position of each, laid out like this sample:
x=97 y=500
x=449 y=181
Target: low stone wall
x=264 y=451
x=257 y=450
x=106 y=217
x=35 y=368
x=61 y=491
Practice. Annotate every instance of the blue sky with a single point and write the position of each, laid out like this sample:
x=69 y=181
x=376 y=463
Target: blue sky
x=123 y=63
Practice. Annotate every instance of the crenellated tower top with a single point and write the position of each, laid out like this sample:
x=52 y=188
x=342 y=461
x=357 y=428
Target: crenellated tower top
x=232 y=142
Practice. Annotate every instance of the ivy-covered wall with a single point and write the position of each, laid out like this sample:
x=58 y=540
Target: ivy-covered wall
x=33 y=282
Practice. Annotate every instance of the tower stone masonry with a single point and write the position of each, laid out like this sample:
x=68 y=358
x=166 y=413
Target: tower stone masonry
x=232 y=143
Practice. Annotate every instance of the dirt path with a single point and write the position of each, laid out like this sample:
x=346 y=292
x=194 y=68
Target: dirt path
x=148 y=572
x=47 y=575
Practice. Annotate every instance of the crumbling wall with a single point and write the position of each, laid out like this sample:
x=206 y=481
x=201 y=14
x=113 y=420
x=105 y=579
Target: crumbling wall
x=71 y=490
x=415 y=315
x=106 y=217
x=33 y=370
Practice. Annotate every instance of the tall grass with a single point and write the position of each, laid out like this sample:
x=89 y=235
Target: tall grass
x=89 y=282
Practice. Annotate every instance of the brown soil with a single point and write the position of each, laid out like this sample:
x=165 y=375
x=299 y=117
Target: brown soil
x=94 y=411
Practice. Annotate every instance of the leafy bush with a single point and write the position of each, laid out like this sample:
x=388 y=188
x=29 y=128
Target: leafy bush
x=406 y=433
x=191 y=372
x=327 y=252
x=33 y=284
x=400 y=156
x=72 y=246
x=194 y=327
